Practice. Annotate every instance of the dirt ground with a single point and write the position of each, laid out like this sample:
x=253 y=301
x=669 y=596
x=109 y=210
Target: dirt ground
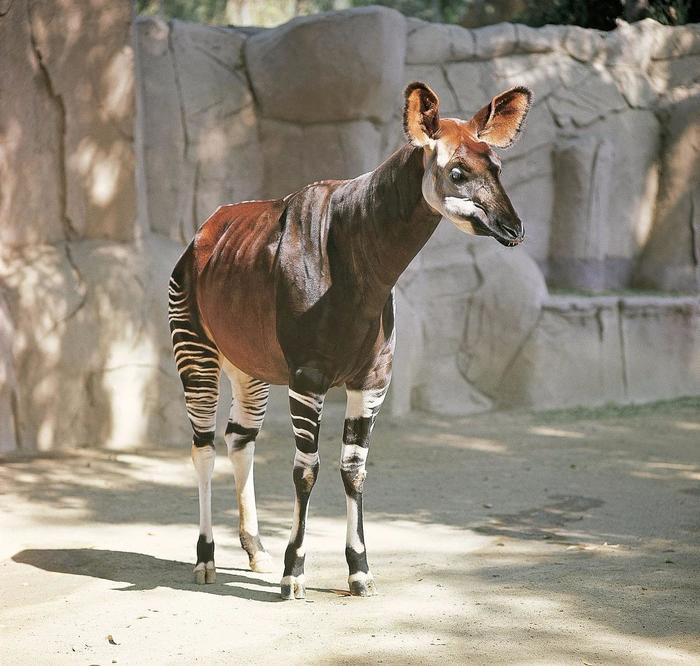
x=514 y=538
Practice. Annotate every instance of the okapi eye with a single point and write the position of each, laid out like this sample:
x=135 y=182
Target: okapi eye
x=456 y=175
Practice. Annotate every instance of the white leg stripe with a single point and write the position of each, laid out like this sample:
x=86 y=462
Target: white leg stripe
x=304 y=434
x=302 y=459
x=360 y=575
x=312 y=401
x=203 y=459
x=242 y=460
x=364 y=404
x=351 y=537
x=352 y=453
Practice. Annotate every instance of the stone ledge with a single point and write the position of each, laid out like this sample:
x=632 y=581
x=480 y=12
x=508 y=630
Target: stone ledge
x=593 y=350
x=564 y=302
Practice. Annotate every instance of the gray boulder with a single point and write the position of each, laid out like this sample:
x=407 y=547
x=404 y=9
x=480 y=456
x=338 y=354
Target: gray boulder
x=330 y=67
x=8 y=383
x=435 y=43
x=94 y=108
x=500 y=315
x=91 y=344
x=670 y=259
x=583 y=169
x=200 y=135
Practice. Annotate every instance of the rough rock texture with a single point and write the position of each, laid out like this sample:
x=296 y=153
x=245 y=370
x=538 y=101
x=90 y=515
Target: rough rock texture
x=661 y=347
x=91 y=343
x=501 y=314
x=429 y=43
x=31 y=123
x=199 y=130
x=80 y=121
x=67 y=176
x=584 y=171
x=573 y=356
x=604 y=349
x=671 y=257
x=328 y=68
x=295 y=155
x=8 y=382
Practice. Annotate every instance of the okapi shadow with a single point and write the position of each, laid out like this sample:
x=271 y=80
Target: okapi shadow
x=145 y=572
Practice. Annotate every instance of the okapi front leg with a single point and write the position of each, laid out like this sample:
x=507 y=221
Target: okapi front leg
x=306 y=394
x=361 y=412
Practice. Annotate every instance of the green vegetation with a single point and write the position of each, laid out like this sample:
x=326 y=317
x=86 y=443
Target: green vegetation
x=690 y=406
x=599 y=14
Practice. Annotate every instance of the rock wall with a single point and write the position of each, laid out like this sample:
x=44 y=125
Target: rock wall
x=115 y=147
x=597 y=177
x=84 y=345
x=321 y=97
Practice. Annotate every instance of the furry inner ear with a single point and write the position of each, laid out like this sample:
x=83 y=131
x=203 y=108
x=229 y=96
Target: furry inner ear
x=421 y=116
x=499 y=123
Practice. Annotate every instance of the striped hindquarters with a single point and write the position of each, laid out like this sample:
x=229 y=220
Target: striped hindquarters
x=197 y=359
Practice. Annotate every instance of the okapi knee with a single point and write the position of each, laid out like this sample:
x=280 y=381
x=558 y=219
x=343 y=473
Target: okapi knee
x=238 y=437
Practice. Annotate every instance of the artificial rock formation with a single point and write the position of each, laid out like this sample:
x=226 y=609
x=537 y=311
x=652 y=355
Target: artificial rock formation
x=477 y=327
x=68 y=187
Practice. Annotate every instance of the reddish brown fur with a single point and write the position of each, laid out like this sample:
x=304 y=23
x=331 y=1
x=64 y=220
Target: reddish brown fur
x=234 y=253
x=463 y=145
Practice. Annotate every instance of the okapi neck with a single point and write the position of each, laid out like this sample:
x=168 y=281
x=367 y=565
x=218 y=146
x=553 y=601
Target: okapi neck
x=386 y=222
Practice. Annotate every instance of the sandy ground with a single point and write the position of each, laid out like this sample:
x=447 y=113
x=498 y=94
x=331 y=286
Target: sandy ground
x=559 y=538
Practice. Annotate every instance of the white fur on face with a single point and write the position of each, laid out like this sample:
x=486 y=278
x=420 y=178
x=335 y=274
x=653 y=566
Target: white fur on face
x=456 y=209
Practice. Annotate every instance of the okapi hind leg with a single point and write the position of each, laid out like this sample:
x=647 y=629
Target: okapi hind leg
x=246 y=418
x=198 y=364
x=360 y=414
x=307 y=391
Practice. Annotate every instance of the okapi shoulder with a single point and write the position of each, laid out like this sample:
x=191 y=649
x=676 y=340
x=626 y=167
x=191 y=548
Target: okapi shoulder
x=238 y=232
x=303 y=252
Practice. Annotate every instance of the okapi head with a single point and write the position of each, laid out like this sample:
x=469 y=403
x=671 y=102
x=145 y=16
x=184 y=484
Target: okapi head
x=461 y=180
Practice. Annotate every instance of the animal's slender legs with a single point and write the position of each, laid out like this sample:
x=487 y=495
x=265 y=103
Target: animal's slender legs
x=198 y=364
x=203 y=458
x=307 y=391
x=360 y=414
x=245 y=420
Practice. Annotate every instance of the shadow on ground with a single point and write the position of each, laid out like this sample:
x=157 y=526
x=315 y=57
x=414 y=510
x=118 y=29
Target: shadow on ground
x=578 y=533
x=145 y=572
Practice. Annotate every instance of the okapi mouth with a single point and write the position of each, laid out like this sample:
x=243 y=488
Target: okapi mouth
x=506 y=237
x=510 y=243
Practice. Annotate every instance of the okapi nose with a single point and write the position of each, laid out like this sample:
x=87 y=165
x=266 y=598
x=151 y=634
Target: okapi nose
x=511 y=230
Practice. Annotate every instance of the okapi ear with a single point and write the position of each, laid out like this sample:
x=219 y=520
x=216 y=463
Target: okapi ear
x=499 y=122
x=421 y=116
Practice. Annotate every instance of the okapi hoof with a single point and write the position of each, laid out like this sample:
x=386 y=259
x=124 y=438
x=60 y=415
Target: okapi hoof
x=261 y=562
x=292 y=587
x=205 y=573
x=362 y=585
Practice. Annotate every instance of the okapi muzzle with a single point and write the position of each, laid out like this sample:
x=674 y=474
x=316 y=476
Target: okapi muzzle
x=462 y=172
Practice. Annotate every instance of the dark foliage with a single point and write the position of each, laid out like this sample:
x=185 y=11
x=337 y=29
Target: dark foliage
x=599 y=14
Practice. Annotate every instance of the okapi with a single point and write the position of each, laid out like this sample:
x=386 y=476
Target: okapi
x=299 y=291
